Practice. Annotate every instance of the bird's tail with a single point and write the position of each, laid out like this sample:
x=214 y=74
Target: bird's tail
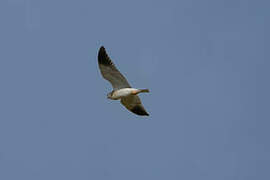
x=143 y=90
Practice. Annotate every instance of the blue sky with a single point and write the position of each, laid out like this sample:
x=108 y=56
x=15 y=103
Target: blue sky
x=206 y=64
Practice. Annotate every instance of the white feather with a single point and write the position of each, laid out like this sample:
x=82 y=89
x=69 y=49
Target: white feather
x=118 y=94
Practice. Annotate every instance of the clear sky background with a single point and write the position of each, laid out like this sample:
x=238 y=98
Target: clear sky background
x=205 y=62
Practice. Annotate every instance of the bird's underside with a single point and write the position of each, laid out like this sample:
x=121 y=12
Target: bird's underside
x=109 y=72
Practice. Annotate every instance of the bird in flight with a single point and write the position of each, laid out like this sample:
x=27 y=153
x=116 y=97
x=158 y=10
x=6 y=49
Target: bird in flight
x=121 y=89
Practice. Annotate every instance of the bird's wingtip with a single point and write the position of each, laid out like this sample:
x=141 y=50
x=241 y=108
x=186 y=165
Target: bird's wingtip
x=103 y=57
x=139 y=110
x=102 y=48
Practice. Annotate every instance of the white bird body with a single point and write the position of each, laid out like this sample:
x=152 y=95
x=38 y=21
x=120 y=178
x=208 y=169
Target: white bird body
x=118 y=94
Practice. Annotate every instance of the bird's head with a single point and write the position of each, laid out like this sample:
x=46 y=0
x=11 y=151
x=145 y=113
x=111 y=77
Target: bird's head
x=109 y=95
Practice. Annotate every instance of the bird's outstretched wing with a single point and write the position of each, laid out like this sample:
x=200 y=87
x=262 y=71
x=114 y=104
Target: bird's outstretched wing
x=133 y=103
x=110 y=72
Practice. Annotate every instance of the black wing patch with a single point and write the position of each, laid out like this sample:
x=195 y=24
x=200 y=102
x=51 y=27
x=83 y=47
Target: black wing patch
x=139 y=110
x=103 y=57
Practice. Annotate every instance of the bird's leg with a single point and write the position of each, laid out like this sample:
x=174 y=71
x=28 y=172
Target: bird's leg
x=135 y=92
